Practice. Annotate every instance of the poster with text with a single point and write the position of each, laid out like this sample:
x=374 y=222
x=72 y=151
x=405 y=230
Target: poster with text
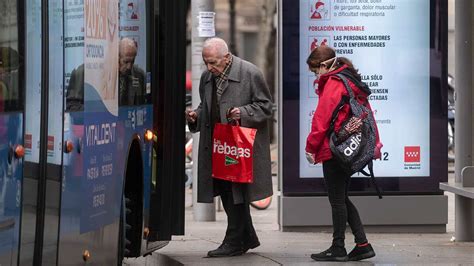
x=73 y=38
x=101 y=55
x=393 y=58
x=133 y=25
x=56 y=77
x=101 y=46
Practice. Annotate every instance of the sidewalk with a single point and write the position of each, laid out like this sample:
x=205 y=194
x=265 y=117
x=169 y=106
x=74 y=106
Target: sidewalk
x=294 y=248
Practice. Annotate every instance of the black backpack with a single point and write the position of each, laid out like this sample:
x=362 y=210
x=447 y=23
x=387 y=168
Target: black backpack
x=354 y=145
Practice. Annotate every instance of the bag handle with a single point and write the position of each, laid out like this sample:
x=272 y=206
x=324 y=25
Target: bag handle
x=341 y=104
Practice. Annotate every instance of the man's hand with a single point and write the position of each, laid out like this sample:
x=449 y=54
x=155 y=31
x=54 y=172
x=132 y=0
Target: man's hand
x=311 y=158
x=191 y=116
x=234 y=114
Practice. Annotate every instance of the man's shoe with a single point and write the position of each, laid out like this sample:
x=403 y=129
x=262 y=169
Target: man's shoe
x=251 y=245
x=361 y=252
x=226 y=250
x=331 y=254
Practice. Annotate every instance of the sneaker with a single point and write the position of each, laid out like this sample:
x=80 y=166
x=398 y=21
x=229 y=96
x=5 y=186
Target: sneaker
x=361 y=252
x=332 y=254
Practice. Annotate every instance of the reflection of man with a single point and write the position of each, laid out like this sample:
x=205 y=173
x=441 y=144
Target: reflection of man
x=9 y=64
x=131 y=80
x=3 y=90
x=75 y=90
x=234 y=89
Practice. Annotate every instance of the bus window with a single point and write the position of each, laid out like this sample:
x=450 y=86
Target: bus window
x=11 y=129
x=9 y=68
x=131 y=79
x=75 y=90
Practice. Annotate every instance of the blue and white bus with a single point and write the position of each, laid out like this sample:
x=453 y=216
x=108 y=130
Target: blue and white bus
x=102 y=180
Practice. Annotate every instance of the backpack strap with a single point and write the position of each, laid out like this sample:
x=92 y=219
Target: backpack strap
x=371 y=170
x=359 y=83
x=346 y=85
x=343 y=101
x=341 y=104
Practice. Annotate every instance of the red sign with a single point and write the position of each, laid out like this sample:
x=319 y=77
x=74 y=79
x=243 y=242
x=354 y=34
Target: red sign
x=412 y=154
x=50 y=143
x=28 y=141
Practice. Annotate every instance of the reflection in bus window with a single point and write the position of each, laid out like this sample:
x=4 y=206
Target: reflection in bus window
x=132 y=77
x=75 y=90
x=9 y=89
x=131 y=80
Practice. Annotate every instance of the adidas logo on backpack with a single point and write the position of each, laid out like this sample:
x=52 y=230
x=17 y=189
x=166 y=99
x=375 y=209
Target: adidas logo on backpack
x=353 y=145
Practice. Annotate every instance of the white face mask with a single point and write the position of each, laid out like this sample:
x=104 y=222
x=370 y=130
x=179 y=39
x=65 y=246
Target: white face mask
x=331 y=68
x=318 y=73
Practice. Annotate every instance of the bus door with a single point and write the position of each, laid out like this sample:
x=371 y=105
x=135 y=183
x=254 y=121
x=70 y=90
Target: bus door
x=168 y=85
x=40 y=201
x=107 y=162
x=91 y=185
x=86 y=159
x=11 y=129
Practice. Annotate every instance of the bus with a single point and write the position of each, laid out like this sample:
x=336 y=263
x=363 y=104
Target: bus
x=91 y=129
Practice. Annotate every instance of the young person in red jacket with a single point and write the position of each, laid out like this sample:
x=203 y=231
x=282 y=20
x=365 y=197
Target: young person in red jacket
x=324 y=63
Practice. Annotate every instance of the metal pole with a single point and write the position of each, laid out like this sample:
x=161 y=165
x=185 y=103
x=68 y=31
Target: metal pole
x=232 y=44
x=202 y=211
x=463 y=103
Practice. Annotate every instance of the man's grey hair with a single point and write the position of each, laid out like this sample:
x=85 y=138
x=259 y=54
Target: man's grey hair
x=127 y=43
x=216 y=43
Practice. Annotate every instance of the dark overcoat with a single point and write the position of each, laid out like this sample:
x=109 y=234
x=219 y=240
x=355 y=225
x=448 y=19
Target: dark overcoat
x=248 y=91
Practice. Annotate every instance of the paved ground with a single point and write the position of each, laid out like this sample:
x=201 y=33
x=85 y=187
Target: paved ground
x=292 y=248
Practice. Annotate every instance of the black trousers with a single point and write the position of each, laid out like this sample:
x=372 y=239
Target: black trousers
x=343 y=211
x=240 y=230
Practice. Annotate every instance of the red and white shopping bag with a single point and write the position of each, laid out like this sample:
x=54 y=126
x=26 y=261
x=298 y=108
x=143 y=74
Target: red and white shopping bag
x=232 y=153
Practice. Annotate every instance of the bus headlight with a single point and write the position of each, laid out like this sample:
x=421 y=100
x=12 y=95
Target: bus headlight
x=150 y=136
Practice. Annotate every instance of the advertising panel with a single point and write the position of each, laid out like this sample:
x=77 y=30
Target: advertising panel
x=73 y=37
x=33 y=80
x=393 y=45
x=366 y=33
x=101 y=46
x=133 y=25
x=56 y=79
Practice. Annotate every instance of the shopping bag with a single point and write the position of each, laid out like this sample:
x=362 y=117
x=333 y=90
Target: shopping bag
x=232 y=153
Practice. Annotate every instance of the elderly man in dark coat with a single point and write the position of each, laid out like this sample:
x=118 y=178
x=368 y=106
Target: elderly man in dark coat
x=232 y=88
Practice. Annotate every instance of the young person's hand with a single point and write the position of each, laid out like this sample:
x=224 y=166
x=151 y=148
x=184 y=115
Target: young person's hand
x=311 y=158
